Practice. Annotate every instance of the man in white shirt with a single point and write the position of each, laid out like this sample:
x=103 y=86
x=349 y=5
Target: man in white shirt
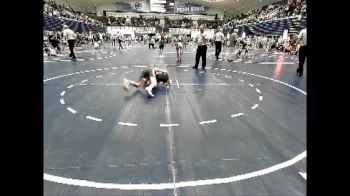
x=219 y=38
x=233 y=43
x=120 y=37
x=202 y=40
x=70 y=36
x=101 y=38
x=114 y=38
x=184 y=41
x=302 y=50
x=151 y=43
x=145 y=37
x=158 y=37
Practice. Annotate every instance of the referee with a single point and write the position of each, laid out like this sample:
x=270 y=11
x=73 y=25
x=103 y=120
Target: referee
x=302 y=50
x=219 y=38
x=202 y=48
x=70 y=36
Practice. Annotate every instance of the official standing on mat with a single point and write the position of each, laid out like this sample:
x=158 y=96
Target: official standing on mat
x=219 y=39
x=202 y=48
x=302 y=50
x=70 y=36
x=120 y=39
x=233 y=43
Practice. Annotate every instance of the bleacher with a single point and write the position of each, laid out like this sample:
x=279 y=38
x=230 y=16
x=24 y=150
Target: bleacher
x=274 y=27
x=52 y=23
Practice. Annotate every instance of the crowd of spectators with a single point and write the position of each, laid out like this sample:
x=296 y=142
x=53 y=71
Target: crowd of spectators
x=81 y=39
x=184 y=23
x=51 y=8
x=276 y=43
x=211 y=24
x=129 y=21
x=269 y=12
x=54 y=42
x=155 y=21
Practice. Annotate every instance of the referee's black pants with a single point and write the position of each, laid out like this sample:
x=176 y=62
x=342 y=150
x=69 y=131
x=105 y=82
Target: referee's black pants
x=120 y=44
x=201 y=52
x=218 y=46
x=71 y=48
x=302 y=56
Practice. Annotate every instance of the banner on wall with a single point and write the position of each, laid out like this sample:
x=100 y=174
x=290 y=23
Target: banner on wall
x=189 y=8
x=123 y=31
x=134 y=5
x=209 y=32
x=130 y=30
x=164 y=6
x=145 y=30
x=179 y=31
